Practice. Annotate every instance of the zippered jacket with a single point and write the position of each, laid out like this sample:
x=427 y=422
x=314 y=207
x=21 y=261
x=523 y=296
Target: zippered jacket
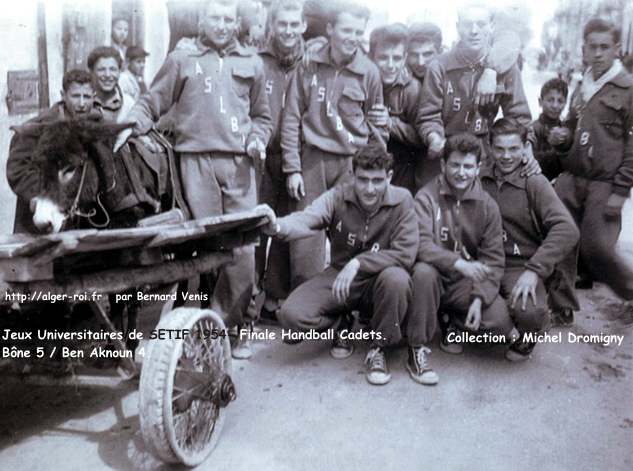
x=219 y=99
x=468 y=228
x=326 y=107
x=387 y=237
x=538 y=230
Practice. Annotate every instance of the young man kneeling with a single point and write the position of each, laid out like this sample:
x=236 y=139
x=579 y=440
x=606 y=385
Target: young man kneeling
x=372 y=228
x=460 y=259
x=538 y=232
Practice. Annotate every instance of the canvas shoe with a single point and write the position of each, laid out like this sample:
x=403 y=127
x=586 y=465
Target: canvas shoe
x=451 y=346
x=418 y=368
x=520 y=351
x=377 y=370
x=342 y=347
x=241 y=345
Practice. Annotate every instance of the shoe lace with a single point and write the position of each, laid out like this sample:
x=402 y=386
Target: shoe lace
x=420 y=356
x=376 y=359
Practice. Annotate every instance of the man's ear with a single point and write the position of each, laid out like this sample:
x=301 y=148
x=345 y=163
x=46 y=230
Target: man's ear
x=389 y=175
x=478 y=169
x=442 y=165
x=540 y=102
x=304 y=26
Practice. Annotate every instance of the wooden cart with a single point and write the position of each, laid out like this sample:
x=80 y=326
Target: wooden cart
x=185 y=381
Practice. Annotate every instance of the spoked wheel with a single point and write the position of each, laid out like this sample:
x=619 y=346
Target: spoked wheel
x=185 y=386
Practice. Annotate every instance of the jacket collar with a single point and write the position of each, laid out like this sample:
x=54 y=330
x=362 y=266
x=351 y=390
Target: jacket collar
x=231 y=49
x=403 y=78
x=548 y=121
x=622 y=80
x=475 y=192
x=358 y=64
x=456 y=59
x=113 y=103
x=288 y=61
x=390 y=198
x=513 y=178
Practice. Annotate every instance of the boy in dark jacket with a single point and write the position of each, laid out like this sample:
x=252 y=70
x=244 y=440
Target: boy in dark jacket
x=599 y=168
x=552 y=138
x=461 y=259
x=538 y=232
x=372 y=228
x=23 y=174
x=388 y=50
x=281 y=56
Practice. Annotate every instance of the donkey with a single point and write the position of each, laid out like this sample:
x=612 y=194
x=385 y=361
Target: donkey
x=84 y=183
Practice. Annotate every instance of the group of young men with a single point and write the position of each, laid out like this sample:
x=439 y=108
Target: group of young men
x=437 y=215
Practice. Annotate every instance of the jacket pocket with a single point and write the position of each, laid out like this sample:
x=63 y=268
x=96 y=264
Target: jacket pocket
x=351 y=101
x=242 y=80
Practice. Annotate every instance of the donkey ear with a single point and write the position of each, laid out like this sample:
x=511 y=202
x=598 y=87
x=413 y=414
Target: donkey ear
x=91 y=131
x=33 y=130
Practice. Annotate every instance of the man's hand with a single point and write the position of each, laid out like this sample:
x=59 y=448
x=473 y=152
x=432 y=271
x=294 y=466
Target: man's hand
x=524 y=288
x=486 y=88
x=295 y=186
x=530 y=164
x=272 y=228
x=436 y=145
x=475 y=271
x=558 y=135
x=473 y=318
x=256 y=150
x=343 y=281
x=379 y=116
x=613 y=209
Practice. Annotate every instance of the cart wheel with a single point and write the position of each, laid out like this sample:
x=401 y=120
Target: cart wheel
x=184 y=387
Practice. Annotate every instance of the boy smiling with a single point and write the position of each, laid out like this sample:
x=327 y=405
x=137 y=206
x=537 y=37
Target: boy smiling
x=538 y=232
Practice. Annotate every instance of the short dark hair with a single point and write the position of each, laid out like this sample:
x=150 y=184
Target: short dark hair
x=557 y=84
x=598 y=25
x=286 y=5
x=464 y=143
x=426 y=33
x=75 y=76
x=354 y=9
x=505 y=126
x=389 y=35
x=372 y=157
x=101 y=52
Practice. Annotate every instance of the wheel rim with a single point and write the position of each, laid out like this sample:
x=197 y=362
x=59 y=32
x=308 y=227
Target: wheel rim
x=194 y=403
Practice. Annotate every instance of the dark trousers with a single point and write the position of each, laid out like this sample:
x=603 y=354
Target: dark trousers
x=273 y=271
x=431 y=292
x=321 y=171
x=533 y=318
x=586 y=201
x=386 y=295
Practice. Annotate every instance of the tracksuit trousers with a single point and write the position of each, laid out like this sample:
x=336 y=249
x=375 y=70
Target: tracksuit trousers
x=216 y=184
x=586 y=201
x=431 y=292
x=321 y=171
x=386 y=295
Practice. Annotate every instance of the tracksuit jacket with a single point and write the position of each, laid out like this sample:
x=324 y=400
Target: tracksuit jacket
x=548 y=156
x=448 y=92
x=326 y=107
x=387 y=237
x=277 y=81
x=603 y=135
x=538 y=230
x=219 y=98
x=468 y=228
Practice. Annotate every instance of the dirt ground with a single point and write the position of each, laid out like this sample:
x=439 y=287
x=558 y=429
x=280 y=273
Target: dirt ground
x=568 y=408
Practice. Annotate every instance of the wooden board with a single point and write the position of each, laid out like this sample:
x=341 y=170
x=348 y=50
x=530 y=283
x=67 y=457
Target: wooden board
x=29 y=257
